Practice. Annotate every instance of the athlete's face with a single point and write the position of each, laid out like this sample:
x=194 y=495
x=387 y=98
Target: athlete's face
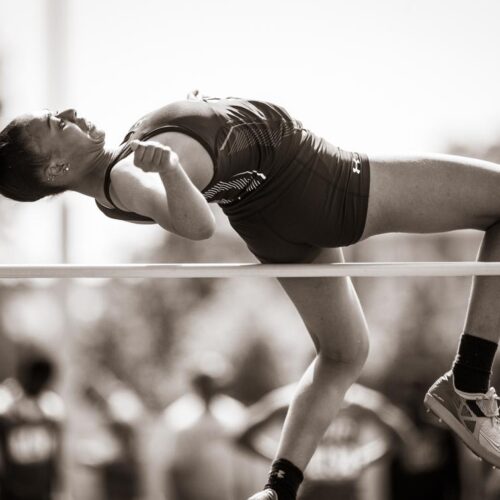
x=65 y=138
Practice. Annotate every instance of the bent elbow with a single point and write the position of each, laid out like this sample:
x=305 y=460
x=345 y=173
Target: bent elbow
x=201 y=237
x=197 y=233
x=205 y=232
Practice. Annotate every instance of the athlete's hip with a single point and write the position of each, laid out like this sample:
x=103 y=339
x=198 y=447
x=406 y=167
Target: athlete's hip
x=319 y=198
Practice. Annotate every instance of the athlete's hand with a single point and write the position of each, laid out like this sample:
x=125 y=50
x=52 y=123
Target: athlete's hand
x=266 y=494
x=152 y=156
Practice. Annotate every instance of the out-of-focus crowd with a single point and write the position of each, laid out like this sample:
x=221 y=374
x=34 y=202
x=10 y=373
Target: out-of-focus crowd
x=207 y=445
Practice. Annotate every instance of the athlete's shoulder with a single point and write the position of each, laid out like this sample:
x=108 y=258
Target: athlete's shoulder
x=184 y=112
x=178 y=109
x=260 y=110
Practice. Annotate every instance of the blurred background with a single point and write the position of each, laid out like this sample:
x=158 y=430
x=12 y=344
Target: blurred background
x=151 y=389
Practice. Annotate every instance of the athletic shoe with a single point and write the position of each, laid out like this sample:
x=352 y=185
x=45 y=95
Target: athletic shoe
x=266 y=494
x=473 y=417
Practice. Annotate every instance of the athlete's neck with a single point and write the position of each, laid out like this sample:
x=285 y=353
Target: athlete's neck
x=92 y=183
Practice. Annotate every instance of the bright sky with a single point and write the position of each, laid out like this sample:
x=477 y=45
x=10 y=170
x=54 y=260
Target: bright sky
x=372 y=76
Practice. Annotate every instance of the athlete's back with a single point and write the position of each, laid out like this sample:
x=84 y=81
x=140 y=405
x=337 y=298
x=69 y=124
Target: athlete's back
x=247 y=140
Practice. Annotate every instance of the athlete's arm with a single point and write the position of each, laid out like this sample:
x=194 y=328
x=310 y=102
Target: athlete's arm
x=175 y=203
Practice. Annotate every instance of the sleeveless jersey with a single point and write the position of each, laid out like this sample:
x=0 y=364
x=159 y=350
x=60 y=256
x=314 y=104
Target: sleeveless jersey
x=247 y=141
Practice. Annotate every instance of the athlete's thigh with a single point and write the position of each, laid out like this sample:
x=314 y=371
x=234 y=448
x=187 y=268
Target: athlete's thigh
x=431 y=193
x=330 y=309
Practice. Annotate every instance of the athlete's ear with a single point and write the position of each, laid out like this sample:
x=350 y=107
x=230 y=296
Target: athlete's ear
x=56 y=168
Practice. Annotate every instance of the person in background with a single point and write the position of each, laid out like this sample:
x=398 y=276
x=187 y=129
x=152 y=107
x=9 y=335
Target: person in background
x=31 y=432
x=115 y=459
x=352 y=460
x=201 y=424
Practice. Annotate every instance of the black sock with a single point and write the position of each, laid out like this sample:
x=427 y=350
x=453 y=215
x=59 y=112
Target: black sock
x=473 y=362
x=284 y=479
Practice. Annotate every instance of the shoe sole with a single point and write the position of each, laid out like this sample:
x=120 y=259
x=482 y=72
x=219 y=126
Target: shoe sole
x=457 y=427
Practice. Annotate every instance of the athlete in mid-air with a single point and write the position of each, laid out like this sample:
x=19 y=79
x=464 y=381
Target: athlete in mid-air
x=294 y=198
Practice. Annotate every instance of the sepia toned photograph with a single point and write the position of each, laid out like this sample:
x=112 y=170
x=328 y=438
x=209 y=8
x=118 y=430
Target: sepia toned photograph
x=250 y=250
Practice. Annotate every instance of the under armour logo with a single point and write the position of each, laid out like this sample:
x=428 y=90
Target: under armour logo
x=280 y=474
x=356 y=164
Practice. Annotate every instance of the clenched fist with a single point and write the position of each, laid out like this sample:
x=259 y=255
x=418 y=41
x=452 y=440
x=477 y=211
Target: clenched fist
x=266 y=494
x=152 y=156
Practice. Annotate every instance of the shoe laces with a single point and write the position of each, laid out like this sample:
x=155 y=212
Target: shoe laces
x=488 y=404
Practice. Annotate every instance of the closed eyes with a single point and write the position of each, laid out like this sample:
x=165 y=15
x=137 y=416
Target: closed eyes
x=61 y=122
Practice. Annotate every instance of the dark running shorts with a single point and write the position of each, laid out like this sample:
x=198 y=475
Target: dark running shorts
x=317 y=201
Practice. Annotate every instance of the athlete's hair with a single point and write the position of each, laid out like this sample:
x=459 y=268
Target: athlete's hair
x=21 y=167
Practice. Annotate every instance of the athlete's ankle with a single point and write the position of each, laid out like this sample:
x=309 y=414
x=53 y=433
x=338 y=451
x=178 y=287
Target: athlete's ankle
x=473 y=362
x=285 y=479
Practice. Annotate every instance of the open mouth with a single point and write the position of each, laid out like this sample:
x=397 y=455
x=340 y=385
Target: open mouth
x=87 y=126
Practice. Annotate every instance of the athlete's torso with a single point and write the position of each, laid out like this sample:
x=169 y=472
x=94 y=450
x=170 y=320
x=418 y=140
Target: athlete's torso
x=247 y=141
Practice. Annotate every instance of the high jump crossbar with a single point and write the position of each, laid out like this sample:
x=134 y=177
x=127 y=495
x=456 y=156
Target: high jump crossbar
x=354 y=269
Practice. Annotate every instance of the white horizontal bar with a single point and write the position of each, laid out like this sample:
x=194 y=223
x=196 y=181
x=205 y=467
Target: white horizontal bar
x=355 y=269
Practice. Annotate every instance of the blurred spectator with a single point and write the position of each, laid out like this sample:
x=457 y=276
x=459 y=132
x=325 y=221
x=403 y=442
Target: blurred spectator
x=202 y=463
x=7 y=355
x=247 y=384
x=436 y=466
x=31 y=418
x=351 y=460
x=432 y=472
x=115 y=458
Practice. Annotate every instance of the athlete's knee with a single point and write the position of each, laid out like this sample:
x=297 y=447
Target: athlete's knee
x=351 y=354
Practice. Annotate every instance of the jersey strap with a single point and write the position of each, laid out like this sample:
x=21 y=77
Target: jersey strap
x=115 y=212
